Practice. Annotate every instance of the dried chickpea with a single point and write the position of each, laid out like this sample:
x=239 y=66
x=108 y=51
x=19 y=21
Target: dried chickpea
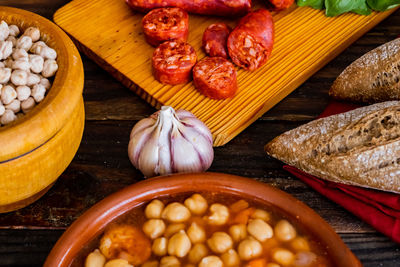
x=24 y=42
x=304 y=259
x=179 y=244
x=36 y=63
x=196 y=204
x=219 y=214
x=33 y=79
x=38 y=91
x=170 y=261
x=153 y=228
x=95 y=259
x=196 y=233
x=283 y=256
x=4 y=30
x=19 y=77
x=8 y=117
x=198 y=252
x=220 y=242
x=21 y=64
x=260 y=230
x=6 y=48
x=238 y=232
x=28 y=104
x=20 y=54
x=154 y=208
x=150 y=264
x=300 y=244
x=46 y=83
x=176 y=213
x=118 y=263
x=13 y=30
x=5 y=75
x=211 y=261
x=230 y=258
x=159 y=246
x=37 y=47
x=33 y=33
x=249 y=249
x=261 y=214
x=14 y=106
x=2 y=109
x=173 y=229
x=12 y=39
x=48 y=53
x=285 y=231
x=49 y=68
x=8 y=94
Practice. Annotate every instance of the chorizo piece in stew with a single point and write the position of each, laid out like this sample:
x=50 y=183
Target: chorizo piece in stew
x=215 y=38
x=215 y=77
x=281 y=4
x=173 y=62
x=165 y=24
x=250 y=43
x=204 y=7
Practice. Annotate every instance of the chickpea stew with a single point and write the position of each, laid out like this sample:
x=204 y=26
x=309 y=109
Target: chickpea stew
x=205 y=230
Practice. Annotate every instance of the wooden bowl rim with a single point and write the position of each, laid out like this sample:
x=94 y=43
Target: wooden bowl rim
x=93 y=221
x=46 y=119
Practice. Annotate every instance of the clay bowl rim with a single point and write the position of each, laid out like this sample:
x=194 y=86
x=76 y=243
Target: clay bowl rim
x=93 y=221
x=44 y=121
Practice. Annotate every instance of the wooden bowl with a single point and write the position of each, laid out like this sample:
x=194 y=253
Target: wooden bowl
x=93 y=222
x=36 y=148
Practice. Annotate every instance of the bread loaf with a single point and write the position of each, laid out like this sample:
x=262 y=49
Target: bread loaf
x=360 y=147
x=374 y=77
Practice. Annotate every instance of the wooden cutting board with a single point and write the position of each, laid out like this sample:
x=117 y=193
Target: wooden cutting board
x=109 y=32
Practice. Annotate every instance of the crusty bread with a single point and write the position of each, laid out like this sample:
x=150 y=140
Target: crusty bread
x=374 y=77
x=360 y=147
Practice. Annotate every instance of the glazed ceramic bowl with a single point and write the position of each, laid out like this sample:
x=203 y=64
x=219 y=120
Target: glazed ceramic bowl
x=36 y=148
x=91 y=224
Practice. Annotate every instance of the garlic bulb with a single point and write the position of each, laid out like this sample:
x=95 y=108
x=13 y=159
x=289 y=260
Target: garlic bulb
x=169 y=142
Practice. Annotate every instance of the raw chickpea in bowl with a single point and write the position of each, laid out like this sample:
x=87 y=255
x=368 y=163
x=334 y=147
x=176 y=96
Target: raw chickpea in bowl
x=204 y=230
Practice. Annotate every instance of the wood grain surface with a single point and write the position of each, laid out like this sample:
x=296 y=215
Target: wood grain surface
x=305 y=40
x=102 y=167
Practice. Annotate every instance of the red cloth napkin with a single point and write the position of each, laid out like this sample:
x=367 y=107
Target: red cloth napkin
x=378 y=208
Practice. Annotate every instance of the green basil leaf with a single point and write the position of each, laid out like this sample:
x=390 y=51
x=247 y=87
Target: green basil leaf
x=382 y=5
x=317 y=4
x=337 y=7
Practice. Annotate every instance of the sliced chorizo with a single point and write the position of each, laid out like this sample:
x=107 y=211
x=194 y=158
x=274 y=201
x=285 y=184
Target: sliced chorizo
x=281 y=4
x=173 y=62
x=165 y=24
x=250 y=43
x=215 y=77
x=214 y=40
x=205 y=7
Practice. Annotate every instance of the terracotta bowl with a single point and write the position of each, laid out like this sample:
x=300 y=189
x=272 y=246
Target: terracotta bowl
x=36 y=148
x=93 y=222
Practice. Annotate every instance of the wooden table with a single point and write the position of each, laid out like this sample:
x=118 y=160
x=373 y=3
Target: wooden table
x=102 y=167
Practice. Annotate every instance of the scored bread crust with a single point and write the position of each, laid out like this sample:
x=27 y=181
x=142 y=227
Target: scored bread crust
x=360 y=147
x=374 y=77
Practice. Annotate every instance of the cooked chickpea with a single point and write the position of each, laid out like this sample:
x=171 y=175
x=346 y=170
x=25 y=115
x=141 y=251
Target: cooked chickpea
x=285 y=231
x=19 y=77
x=220 y=242
x=33 y=32
x=118 y=263
x=173 y=229
x=304 y=259
x=179 y=244
x=249 y=249
x=28 y=104
x=196 y=233
x=219 y=214
x=238 y=232
x=150 y=264
x=13 y=30
x=176 y=213
x=50 y=68
x=198 y=252
x=230 y=258
x=14 y=106
x=300 y=244
x=153 y=209
x=95 y=259
x=159 y=246
x=38 y=91
x=153 y=228
x=24 y=42
x=5 y=75
x=211 y=261
x=169 y=261
x=4 y=30
x=283 y=256
x=196 y=204
x=260 y=230
x=261 y=214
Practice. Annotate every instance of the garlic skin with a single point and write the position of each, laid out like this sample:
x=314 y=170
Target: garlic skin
x=169 y=142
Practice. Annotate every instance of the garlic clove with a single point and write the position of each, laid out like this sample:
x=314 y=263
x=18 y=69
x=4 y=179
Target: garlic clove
x=136 y=143
x=148 y=158
x=141 y=125
x=199 y=126
x=184 y=156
